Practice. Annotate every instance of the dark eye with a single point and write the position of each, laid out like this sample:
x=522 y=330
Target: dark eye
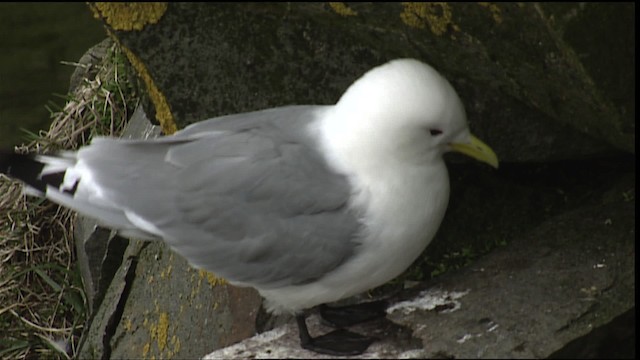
x=435 y=132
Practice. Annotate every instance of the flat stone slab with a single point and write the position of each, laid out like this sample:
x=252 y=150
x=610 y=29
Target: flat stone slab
x=283 y=342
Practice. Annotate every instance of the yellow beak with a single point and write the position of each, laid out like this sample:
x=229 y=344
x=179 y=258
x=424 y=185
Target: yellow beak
x=477 y=150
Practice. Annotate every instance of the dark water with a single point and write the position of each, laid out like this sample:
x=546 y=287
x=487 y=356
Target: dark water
x=34 y=38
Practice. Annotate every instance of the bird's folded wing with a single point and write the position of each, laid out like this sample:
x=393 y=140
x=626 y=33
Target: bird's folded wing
x=255 y=204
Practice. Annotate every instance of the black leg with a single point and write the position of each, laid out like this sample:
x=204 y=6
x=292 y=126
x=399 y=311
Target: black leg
x=337 y=343
x=353 y=314
x=305 y=338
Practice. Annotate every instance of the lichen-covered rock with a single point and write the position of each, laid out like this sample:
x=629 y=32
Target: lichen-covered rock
x=534 y=89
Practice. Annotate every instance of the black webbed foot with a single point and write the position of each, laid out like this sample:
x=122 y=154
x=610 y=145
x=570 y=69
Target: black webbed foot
x=353 y=314
x=340 y=342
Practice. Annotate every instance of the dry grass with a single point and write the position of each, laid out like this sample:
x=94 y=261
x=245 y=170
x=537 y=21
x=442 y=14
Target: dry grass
x=42 y=303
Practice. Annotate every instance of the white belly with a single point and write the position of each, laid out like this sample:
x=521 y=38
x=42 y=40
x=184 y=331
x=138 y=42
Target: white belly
x=401 y=221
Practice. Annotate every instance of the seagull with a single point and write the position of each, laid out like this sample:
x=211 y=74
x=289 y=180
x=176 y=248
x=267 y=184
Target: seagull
x=308 y=204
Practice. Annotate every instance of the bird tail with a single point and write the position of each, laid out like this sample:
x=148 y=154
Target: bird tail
x=37 y=171
x=57 y=179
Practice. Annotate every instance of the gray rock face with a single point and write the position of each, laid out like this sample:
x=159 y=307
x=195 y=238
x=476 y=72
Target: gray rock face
x=557 y=283
x=518 y=67
x=555 y=224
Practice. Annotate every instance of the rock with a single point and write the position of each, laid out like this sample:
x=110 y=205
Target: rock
x=533 y=88
x=615 y=340
x=96 y=338
x=100 y=254
x=89 y=63
x=283 y=342
x=570 y=276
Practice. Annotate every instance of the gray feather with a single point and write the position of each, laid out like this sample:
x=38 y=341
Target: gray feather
x=246 y=196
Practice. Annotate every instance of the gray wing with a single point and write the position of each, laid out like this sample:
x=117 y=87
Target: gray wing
x=248 y=197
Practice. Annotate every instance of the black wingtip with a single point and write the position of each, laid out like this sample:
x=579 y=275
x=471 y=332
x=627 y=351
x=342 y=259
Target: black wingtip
x=22 y=167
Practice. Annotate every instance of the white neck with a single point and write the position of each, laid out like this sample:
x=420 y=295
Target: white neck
x=404 y=188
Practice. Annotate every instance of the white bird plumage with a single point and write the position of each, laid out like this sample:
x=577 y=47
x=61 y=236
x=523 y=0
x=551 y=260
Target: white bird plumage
x=378 y=134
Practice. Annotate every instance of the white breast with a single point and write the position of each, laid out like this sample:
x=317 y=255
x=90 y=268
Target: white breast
x=402 y=205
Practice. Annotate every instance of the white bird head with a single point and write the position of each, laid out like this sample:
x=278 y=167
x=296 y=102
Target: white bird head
x=406 y=107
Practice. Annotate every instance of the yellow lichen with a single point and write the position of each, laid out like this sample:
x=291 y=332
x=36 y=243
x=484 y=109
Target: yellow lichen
x=128 y=325
x=161 y=330
x=211 y=279
x=496 y=13
x=176 y=343
x=145 y=349
x=164 y=274
x=342 y=9
x=158 y=331
x=163 y=111
x=194 y=291
x=436 y=15
x=129 y=16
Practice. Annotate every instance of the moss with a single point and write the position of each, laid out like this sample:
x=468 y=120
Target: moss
x=129 y=16
x=342 y=9
x=436 y=15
